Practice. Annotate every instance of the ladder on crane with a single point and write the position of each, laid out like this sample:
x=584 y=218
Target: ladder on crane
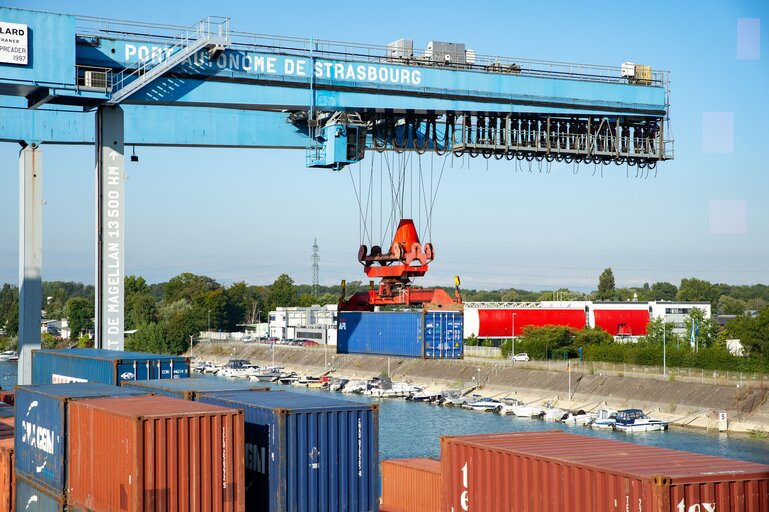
x=212 y=33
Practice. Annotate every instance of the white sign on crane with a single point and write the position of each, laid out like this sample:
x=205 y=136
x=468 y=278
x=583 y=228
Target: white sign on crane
x=13 y=43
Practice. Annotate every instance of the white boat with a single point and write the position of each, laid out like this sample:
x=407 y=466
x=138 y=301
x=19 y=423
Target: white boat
x=205 y=367
x=579 y=417
x=337 y=384
x=287 y=378
x=395 y=390
x=267 y=374
x=238 y=368
x=306 y=381
x=553 y=414
x=634 y=420
x=605 y=419
x=9 y=355
x=355 y=386
x=484 y=404
x=423 y=396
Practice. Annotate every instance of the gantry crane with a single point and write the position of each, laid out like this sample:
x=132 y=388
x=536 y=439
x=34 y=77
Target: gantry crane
x=82 y=80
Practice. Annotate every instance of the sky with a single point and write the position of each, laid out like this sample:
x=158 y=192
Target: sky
x=252 y=214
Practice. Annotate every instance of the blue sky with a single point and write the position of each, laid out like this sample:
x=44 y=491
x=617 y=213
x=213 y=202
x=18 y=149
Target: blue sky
x=238 y=214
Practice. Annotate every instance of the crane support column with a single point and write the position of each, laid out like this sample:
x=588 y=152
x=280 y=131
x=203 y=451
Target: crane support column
x=110 y=226
x=30 y=256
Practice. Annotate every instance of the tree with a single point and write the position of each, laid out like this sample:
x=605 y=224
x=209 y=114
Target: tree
x=730 y=306
x=282 y=293
x=606 y=289
x=658 y=331
x=753 y=333
x=663 y=291
x=697 y=290
x=80 y=313
x=540 y=342
x=188 y=286
x=592 y=336
x=704 y=329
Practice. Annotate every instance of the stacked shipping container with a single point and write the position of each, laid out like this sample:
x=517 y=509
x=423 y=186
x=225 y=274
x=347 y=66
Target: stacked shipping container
x=429 y=335
x=155 y=453
x=104 y=366
x=307 y=452
x=411 y=485
x=553 y=471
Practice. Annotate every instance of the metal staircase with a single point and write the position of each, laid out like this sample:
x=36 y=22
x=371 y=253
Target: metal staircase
x=212 y=33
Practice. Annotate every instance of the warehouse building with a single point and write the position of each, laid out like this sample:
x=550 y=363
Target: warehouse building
x=626 y=320
x=316 y=323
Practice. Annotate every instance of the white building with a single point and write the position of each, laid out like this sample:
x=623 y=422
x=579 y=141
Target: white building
x=316 y=323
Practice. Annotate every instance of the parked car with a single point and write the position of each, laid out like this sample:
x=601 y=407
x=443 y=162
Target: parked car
x=247 y=339
x=523 y=356
x=309 y=343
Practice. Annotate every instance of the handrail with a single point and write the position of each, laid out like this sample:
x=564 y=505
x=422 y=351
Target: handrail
x=206 y=29
x=156 y=32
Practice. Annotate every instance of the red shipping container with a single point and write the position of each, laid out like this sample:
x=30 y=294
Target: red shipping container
x=411 y=485
x=556 y=471
x=7 y=503
x=155 y=453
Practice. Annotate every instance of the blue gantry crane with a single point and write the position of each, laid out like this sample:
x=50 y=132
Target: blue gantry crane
x=68 y=79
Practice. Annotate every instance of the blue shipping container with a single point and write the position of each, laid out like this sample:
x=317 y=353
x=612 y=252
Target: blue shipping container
x=40 y=428
x=32 y=498
x=189 y=389
x=105 y=366
x=306 y=452
x=433 y=335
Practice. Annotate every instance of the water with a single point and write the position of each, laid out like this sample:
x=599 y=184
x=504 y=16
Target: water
x=413 y=429
x=408 y=429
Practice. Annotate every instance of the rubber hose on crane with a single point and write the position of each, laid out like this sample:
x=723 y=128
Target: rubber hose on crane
x=420 y=149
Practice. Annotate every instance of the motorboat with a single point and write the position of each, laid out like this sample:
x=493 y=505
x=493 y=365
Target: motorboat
x=9 y=355
x=604 y=419
x=395 y=390
x=452 y=398
x=322 y=383
x=554 y=414
x=337 y=384
x=306 y=380
x=204 y=367
x=519 y=409
x=423 y=396
x=355 y=386
x=287 y=378
x=634 y=420
x=240 y=368
x=484 y=404
x=267 y=374
x=578 y=417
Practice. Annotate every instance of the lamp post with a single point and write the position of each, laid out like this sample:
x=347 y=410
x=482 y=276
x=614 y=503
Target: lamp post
x=664 y=350
x=512 y=338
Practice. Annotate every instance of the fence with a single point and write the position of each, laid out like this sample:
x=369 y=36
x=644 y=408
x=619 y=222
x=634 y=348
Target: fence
x=489 y=352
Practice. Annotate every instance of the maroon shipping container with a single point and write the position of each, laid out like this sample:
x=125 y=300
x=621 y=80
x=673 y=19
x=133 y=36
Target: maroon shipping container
x=7 y=501
x=411 y=485
x=556 y=471
x=155 y=453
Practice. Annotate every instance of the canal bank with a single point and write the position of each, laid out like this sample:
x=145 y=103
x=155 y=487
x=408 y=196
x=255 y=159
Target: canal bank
x=687 y=404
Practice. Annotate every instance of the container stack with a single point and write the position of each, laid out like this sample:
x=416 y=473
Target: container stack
x=307 y=452
x=411 y=485
x=104 y=366
x=545 y=471
x=155 y=453
x=42 y=433
x=423 y=334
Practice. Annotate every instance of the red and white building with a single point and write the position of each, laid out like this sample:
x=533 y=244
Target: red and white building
x=621 y=319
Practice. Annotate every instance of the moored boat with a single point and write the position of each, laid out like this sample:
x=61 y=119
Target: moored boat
x=634 y=420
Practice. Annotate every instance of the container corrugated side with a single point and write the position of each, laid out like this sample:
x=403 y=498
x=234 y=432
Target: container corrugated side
x=189 y=389
x=41 y=428
x=544 y=471
x=444 y=335
x=380 y=333
x=411 y=485
x=104 y=366
x=162 y=453
x=307 y=452
x=6 y=475
x=30 y=497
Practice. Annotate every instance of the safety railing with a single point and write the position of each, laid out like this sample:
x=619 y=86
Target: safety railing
x=330 y=49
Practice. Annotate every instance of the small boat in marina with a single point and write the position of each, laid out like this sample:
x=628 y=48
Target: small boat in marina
x=240 y=368
x=519 y=409
x=355 y=386
x=452 y=398
x=337 y=384
x=484 y=404
x=578 y=417
x=423 y=396
x=634 y=420
x=267 y=374
x=287 y=378
x=205 y=367
x=604 y=419
x=306 y=381
x=394 y=390
x=9 y=355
